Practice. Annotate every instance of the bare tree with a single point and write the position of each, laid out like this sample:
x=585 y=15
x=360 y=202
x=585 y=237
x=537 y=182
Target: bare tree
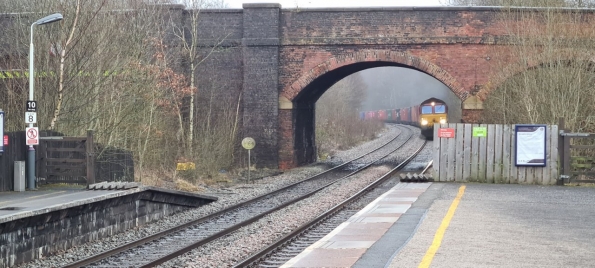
x=190 y=39
x=88 y=73
x=519 y=3
x=337 y=112
x=547 y=72
x=116 y=66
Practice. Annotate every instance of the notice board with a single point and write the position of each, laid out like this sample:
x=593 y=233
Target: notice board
x=530 y=143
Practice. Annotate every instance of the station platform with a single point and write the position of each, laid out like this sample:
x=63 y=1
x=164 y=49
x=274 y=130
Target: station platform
x=46 y=199
x=347 y=243
x=17 y=205
x=38 y=223
x=464 y=225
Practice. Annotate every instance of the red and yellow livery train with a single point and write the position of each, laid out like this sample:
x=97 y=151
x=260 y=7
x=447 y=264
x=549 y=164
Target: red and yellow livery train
x=425 y=115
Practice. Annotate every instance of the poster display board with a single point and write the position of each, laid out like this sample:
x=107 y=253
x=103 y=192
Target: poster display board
x=530 y=141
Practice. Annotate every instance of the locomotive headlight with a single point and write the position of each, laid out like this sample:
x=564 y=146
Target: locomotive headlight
x=424 y=122
x=442 y=121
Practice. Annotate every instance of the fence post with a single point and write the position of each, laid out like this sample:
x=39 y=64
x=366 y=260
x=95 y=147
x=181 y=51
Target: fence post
x=564 y=152
x=42 y=156
x=566 y=160
x=561 y=159
x=90 y=155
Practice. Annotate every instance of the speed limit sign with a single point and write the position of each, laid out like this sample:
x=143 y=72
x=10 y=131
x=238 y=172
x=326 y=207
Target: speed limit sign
x=31 y=117
x=248 y=143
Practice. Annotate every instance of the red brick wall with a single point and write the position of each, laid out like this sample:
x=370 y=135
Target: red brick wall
x=452 y=45
x=269 y=52
x=461 y=47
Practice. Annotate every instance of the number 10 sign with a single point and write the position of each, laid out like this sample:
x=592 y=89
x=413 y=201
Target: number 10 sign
x=31 y=117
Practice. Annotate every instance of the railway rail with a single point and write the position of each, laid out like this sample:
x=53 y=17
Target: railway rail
x=176 y=241
x=295 y=242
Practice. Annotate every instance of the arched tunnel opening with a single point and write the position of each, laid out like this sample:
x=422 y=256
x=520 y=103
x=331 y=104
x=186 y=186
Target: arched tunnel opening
x=388 y=86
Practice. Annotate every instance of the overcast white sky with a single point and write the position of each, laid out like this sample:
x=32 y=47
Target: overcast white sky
x=337 y=3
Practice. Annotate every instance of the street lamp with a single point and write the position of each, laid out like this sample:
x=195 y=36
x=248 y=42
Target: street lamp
x=31 y=152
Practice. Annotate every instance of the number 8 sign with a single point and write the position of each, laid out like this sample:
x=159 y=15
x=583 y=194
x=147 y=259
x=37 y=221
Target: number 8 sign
x=31 y=117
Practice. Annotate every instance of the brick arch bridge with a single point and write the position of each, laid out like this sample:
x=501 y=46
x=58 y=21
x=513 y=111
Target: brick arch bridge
x=282 y=60
x=290 y=57
x=298 y=99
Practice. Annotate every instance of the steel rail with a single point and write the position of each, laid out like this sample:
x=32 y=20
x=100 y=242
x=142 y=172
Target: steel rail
x=427 y=167
x=329 y=213
x=148 y=239
x=235 y=227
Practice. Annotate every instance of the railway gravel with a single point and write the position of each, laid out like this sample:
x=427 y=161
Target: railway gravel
x=225 y=252
x=340 y=157
x=228 y=251
x=421 y=160
x=233 y=248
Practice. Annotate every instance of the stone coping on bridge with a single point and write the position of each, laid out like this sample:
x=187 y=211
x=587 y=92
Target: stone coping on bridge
x=390 y=8
x=364 y=9
x=261 y=5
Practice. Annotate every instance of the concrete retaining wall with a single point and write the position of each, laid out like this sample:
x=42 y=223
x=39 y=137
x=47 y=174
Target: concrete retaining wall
x=37 y=236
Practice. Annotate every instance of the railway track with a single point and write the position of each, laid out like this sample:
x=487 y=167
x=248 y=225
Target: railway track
x=295 y=242
x=161 y=247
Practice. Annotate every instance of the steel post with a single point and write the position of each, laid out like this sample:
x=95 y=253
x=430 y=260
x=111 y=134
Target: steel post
x=31 y=151
x=31 y=168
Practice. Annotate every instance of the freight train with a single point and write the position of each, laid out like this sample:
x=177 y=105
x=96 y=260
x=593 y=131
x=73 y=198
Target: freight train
x=424 y=115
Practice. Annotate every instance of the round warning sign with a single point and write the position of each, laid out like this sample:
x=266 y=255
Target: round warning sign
x=248 y=143
x=32 y=134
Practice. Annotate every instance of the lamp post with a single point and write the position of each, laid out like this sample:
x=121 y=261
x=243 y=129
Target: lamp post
x=31 y=152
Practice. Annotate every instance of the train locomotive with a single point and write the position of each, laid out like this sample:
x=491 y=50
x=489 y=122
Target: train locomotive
x=425 y=115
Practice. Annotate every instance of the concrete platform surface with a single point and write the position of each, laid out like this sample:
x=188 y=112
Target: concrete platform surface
x=349 y=241
x=39 y=223
x=493 y=225
x=505 y=226
x=18 y=205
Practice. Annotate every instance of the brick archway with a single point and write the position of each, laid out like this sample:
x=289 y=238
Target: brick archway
x=272 y=56
x=383 y=58
x=297 y=144
x=283 y=59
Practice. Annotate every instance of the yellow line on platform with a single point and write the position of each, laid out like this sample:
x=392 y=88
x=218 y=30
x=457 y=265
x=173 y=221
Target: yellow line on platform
x=427 y=260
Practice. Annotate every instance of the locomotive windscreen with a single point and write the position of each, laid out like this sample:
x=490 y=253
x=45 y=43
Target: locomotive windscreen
x=426 y=109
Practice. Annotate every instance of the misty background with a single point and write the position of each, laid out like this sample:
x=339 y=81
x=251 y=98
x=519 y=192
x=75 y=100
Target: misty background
x=397 y=87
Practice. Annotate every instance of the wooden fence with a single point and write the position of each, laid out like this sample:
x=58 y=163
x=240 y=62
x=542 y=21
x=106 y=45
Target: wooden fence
x=490 y=159
x=577 y=155
x=61 y=159
x=15 y=151
x=67 y=159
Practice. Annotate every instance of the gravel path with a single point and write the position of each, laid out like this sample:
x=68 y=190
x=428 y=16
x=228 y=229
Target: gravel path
x=227 y=251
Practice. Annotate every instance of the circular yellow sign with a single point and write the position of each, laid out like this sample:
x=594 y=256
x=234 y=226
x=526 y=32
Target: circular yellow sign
x=248 y=143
